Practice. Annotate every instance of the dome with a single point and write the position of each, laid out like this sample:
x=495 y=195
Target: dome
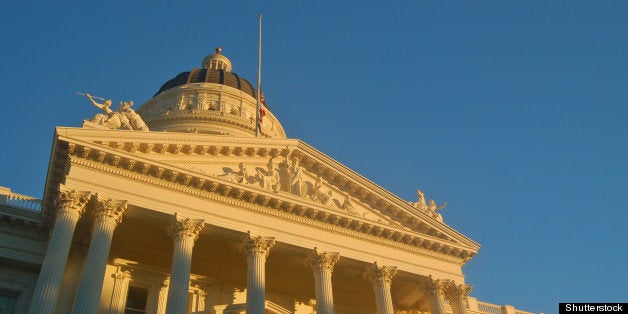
x=209 y=76
x=210 y=100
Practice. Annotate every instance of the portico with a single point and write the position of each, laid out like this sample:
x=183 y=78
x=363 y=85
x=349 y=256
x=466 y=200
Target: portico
x=203 y=217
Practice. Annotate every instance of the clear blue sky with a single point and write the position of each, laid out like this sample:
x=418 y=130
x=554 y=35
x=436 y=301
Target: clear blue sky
x=514 y=112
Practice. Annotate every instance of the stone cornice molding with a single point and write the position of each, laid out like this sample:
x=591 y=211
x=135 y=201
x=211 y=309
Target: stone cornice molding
x=321 y=260
x=378 y=275
x=284 y=205
x=313 y=160
x=257 y=245
x=185 y=227
x=116 y=157
x=24 y=223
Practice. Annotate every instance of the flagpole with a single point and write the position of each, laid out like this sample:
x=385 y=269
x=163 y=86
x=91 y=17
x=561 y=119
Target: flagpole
x=259 y=76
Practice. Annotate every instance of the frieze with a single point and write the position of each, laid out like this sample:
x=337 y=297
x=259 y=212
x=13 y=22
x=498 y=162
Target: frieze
x=312 y=185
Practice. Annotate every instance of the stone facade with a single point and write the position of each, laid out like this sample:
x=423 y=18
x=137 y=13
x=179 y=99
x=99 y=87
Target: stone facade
x=180 y=221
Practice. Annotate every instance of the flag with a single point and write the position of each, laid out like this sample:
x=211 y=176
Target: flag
x=262 y=112
x=261 y=98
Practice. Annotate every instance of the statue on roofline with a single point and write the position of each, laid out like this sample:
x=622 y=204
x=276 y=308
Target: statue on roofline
x=123 y=118
x=430 y=208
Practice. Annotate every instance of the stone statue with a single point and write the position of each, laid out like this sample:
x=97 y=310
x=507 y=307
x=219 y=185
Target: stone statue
x=239 y=177
x=124 y=117
x=421 y=203
x=296 y=176
x=430 y=208
x=270 y=179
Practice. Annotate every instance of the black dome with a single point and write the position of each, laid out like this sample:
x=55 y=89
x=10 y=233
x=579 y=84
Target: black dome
x=209 y=76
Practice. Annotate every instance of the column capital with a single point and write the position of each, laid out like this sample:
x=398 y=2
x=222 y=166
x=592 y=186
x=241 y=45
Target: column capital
x=257 y=244
x=109 y=209
x=71 y=200
x=185 y=227
x=435 y=286
x=377 y=274
x=121 y=274
x=321 y=260
x=453 y=290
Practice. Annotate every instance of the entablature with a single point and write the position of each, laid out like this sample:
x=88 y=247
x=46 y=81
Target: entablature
x=136 y=155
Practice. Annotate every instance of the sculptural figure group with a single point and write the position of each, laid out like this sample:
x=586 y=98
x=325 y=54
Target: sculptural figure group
x=430 y=208
x=123 y=118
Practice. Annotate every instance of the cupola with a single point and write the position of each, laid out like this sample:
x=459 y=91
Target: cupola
x=209 y=100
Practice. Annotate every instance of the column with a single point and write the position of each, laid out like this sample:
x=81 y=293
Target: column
x=257 y=249
x=70 y=205
x=163 y=296
x=457 y=295
x=107 y=215
x=322 y=263
x=185 y=233
x=381 y=279
x=435 y=288
x=120 y=291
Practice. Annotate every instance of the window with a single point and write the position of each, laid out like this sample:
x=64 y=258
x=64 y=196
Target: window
x=136 y=300
x=8 y=301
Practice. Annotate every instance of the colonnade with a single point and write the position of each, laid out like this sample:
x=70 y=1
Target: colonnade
x=108 y=213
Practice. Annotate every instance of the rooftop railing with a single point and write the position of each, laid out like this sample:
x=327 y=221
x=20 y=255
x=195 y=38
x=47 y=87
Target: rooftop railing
x=20 y=201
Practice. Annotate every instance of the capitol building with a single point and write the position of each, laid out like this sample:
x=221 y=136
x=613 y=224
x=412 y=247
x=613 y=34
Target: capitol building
x=197 y=201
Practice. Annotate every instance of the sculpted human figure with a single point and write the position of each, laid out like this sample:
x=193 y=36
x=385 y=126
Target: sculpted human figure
x=432 y=208
x=124 y=117
x=296 y=176
x=108 y=118
x=421 y=203
x=135 y=120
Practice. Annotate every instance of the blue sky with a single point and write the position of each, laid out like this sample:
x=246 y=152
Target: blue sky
x=513 y=112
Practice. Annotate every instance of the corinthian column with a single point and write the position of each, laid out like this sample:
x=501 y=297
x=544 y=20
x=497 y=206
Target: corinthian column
x=107 y=216
x=457 y=295
x=381 y=279
x=185 y=232
x=323 y=265
x=257 y=249
x=436 y=290
x=70 y=205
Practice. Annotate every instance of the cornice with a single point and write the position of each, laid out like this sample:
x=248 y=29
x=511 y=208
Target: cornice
x=278 y=204
x=22 y=223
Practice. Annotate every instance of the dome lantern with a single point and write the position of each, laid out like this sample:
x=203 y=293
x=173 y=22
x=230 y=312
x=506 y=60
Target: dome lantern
x=217 y=61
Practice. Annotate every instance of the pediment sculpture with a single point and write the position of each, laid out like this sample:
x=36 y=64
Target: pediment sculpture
x=428 y=208
x=123 y=118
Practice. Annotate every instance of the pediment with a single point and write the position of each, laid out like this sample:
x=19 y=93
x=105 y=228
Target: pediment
x=285 y=174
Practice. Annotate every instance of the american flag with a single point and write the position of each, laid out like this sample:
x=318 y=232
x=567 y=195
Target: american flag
x=262 y=112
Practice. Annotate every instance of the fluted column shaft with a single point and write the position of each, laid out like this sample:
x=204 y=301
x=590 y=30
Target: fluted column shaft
x=185 y=232
x=70 y=206
x=120 y=290
x=107 y=215
x=322 y=263
x=257 y=249
x=437 y=297
x=381 y=279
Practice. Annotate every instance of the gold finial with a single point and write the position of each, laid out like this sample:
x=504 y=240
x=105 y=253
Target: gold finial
x=218 y=50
